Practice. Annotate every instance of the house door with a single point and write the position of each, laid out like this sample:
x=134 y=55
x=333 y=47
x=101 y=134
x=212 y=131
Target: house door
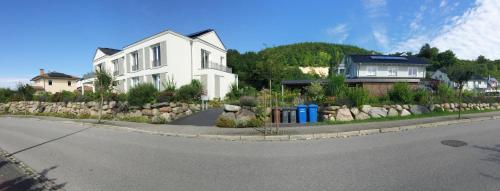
x=217 y=86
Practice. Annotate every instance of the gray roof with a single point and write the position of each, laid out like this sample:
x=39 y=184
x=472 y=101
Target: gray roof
x=55 y=75
x=199 y=33
x=389 y=59
x=108 y=51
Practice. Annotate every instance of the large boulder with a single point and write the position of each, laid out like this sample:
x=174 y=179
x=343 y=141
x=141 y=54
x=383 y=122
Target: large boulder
x=404 y=112
x=377 y=112
x=365 y=108
x=354 y=110
x=418 y=109
x=231 y=108
x=361 y=116
x=392 y=112
x=344 y=115
x=162 y=104
x=245 y=115
x=399 y=107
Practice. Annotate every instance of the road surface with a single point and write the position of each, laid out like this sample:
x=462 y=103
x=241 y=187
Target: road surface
x=89 y=158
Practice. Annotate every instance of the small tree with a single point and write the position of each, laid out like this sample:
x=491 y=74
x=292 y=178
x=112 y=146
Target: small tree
x=315 y=92
x=401 y=93
x=461 y=74
x=103 y=85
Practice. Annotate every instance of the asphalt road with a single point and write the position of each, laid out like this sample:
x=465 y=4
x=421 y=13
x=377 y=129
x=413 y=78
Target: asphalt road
x=111 y=159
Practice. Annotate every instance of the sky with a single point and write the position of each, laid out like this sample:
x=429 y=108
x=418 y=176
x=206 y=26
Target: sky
x=62 y=35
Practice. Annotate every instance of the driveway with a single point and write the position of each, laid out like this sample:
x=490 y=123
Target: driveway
x=202 y=118
x=83 y=158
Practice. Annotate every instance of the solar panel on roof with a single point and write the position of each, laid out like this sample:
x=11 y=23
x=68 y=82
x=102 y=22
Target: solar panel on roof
x=388 y=58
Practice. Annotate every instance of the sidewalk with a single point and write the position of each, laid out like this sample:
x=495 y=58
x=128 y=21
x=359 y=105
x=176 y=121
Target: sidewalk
x=289 y=133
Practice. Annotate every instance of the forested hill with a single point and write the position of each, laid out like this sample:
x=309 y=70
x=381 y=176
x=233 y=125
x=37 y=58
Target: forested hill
x=253 y=68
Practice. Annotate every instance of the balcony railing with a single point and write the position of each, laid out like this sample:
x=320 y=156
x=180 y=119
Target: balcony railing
x=217 y=66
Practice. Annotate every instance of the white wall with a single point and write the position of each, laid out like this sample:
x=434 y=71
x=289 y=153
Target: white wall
x=383 y=71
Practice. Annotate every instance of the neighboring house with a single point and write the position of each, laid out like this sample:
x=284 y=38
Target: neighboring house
x=442 y=77
x=492 y=83
x=476 y=83
x=54 y=82
x=169 y=55
x=378 y=73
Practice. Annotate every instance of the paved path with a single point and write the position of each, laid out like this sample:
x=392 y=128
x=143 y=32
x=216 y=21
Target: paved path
x=202 y=118
x=109 y=159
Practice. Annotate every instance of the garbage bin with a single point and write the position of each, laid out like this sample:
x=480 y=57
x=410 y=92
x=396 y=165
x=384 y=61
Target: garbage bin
x=293 y=114
x=313 y=113
x=285 y=114
x=302 y=113
x=276 y=115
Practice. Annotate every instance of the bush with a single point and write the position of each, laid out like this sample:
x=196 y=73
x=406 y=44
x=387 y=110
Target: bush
x=5 y=95
x=255 y=123
x=235 y=93
x=87 y=97
x=119 y=97
x=445 y=94
x=401 y=93
x=191 y=92
x=315 y=93
x=165 y=96
x=142 y=94
x=43 y=96
x=336 y=86
x=215 y=103
x=248 y=101
x=422 y=97
x=64 y=96
x=358 y=96
x=25 y=92
x=225 y=122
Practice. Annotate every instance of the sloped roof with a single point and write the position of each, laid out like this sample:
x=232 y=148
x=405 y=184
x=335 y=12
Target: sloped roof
x=199 y=33
x=388 y=59
x=108 y=51
x=54 y=75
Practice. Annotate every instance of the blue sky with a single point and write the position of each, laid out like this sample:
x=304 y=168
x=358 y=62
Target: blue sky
x=62 y=35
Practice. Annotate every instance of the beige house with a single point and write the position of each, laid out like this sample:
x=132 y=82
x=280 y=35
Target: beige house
x=54 y=82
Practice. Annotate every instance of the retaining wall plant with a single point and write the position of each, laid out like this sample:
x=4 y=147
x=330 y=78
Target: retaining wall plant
x=153 y=113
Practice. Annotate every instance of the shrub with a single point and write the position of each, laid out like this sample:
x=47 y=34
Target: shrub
x=255 y=123
x=422 y=96
x=169 y=85
x=5 y=95
x=64 y=96
x=401 y=93
x=165 y=96
x=225 y=122
x=190 y=92
x=215 y=103
x=336 y=86
x=43 y=96
x=315 y=93
x=248 y=101
x=87 y=97
x=142 y=94
x=119 y=97
x=358 y=96
x=25 y=92
x=235 y=93
x=445 y=94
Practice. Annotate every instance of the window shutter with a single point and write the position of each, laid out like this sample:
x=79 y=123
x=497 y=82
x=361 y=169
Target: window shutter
x=127 y=60
x=141 y=62
x=146 y=56
x=163 y=53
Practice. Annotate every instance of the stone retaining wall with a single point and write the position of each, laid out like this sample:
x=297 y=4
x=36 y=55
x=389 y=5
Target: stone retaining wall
x=343 y=113
x=157 y=113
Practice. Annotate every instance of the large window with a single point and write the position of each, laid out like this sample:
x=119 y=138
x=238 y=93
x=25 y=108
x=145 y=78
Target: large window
x=135 y=61
x=156 y=55
x=157 y=81
x=204 y=58
x=393 y=71
x=116 y=70
x=412 y=71
x=372 y=70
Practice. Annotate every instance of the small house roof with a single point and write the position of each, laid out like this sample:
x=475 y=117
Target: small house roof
x=55 y=75
x=389 y=59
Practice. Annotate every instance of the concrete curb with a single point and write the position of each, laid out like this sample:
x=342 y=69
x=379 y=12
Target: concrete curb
x=314 y=136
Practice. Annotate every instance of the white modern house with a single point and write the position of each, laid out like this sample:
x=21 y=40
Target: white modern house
x=169 y=55
x=476 y=83
x=378 y=73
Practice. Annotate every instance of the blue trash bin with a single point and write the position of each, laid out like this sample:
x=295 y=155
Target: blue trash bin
x=302 y=114
x=313 y=113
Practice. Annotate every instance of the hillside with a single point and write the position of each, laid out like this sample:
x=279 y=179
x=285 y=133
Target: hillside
x=255 y=68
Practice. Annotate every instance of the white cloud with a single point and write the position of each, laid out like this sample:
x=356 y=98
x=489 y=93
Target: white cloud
x=339 y=32
x=12 y=82
x=377 y=11
x=472 y=34
x=442 y=3
x=375 y=8
x=381 y=37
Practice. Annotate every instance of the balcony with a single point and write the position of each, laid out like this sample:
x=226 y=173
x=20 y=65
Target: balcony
x=217 y=66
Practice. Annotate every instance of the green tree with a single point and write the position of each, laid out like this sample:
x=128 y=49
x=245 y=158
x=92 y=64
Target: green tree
x=428 y=52
x=447 y=59
x=315 y=93
x=335 y=85
x=461 y=74
x=401 y=93
x=26 y=92
x=103 y=85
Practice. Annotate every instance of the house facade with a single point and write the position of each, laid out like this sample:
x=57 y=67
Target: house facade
x=169 y=56
x=378 y=73
x=476 y=83
x=54 y=82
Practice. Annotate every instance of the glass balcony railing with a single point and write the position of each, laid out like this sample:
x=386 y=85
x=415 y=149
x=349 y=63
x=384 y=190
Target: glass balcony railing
x=217 y=66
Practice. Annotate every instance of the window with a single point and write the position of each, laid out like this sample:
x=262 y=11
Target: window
x=412 y=71
x=99 y=66
x=222 y=60
x=156 y=56
x=135 y=81
x=50 y=82
x=204 y=58
x=393 y=71
x=116 y=70
x=69 y=83
x=156 y=81
x=372 y=70
x=135 y=61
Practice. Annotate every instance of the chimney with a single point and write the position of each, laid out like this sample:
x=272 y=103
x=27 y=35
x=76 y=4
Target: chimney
x=42 y=72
